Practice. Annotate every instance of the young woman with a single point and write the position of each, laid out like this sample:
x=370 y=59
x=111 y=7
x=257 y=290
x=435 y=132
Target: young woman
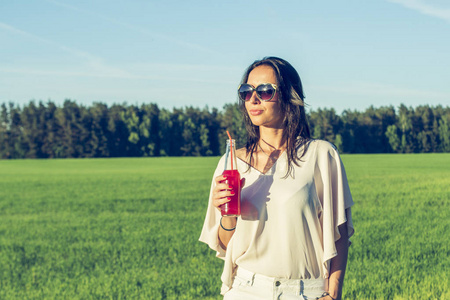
x=291 y=240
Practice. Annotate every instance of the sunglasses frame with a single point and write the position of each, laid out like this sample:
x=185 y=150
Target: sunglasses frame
x=274 y=86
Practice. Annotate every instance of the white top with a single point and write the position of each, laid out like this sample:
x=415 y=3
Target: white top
x=288 y=226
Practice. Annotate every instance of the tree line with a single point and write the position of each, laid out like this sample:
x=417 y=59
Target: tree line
x=70 y=130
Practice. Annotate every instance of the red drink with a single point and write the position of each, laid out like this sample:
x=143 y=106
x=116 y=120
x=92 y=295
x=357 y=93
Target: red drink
x=233 y=207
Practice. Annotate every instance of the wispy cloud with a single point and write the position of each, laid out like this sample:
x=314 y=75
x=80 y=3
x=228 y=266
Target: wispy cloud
x=383 y=90
x=96 y=65
x=425 y=8
x=112 y=75
x=138 y=29
x=20 y=32
x=40 y=72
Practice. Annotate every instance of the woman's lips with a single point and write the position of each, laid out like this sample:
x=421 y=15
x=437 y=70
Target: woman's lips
x=255 y=112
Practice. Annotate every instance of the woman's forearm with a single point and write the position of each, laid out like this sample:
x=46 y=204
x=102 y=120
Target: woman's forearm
x=225 y=235
x=338 y=264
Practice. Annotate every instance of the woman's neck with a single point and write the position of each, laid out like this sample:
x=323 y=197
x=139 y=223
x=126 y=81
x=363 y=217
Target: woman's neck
x=273 y=139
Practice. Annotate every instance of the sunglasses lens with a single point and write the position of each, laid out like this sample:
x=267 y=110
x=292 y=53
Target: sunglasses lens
x=265 y=92
x=245 y=92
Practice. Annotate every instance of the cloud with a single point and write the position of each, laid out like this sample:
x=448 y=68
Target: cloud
x=383 y=90
x=28 y=35
x=96 y=65
x=69 y=50
x=425 y=8
x=102 y=73
x=138 y=29
x=29 y=71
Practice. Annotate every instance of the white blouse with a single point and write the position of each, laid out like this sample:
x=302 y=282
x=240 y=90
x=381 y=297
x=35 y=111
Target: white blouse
x=288 y=226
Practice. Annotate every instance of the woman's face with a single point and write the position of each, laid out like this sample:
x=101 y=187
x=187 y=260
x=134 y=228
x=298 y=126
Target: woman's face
x=264 y=113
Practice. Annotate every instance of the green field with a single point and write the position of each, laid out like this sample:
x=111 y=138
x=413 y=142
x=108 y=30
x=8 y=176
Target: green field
x=128 y=228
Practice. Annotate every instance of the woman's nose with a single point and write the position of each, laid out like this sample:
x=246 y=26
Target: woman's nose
x=253 y=98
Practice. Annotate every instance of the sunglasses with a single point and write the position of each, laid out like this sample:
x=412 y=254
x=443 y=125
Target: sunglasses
x=264 y=91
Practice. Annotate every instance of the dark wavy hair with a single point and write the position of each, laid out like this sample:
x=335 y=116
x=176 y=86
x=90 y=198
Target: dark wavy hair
x=291 y=97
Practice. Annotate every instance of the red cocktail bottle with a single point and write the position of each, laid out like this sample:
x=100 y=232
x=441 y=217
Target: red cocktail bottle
x=233 y=207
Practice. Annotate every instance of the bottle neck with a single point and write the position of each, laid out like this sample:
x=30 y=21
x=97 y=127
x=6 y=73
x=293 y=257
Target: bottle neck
x=230 y=156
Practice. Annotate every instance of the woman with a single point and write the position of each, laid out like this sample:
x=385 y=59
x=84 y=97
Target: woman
x=291 y=240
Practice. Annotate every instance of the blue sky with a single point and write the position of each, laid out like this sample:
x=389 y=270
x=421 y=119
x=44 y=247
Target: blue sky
x=350 y=54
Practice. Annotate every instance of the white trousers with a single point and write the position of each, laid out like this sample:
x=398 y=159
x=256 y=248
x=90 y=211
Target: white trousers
x=250 y=286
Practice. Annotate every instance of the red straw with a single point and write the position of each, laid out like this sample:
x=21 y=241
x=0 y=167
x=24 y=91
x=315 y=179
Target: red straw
x=231 y=149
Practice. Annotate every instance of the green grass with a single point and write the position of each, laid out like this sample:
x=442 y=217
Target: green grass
x=401 y=244
x=128 y=228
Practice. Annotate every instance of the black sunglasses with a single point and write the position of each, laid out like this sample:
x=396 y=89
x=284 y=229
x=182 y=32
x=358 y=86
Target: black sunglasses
x=264 y=91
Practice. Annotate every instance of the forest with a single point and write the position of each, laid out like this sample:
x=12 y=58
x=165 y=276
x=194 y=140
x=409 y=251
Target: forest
x=71 y=130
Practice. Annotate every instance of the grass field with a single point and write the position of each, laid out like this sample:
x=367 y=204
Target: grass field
x=128 y=228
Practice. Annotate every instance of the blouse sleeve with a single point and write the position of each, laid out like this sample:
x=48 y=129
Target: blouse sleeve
x=210 y=231
x=335 y=198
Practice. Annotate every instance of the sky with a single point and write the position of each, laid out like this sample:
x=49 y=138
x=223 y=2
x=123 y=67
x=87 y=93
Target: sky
x=350 y=54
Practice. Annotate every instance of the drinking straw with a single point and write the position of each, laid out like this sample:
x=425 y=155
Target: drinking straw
x=231 y=149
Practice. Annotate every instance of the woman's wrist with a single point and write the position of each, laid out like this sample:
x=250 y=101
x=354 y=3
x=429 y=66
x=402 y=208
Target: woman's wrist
x=228 y=224
x=327 y=296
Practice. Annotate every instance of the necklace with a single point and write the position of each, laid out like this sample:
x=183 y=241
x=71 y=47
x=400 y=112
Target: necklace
x=268 y=155
x=259 y=145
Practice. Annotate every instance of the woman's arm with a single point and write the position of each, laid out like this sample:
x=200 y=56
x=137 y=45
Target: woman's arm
x=221 y=194
x=225 y=235
x=338 y=265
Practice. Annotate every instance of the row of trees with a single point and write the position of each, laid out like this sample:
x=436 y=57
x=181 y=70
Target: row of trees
x=45 y=130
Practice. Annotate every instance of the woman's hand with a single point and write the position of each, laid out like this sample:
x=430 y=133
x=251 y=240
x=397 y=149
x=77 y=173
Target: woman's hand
x=222 y=192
